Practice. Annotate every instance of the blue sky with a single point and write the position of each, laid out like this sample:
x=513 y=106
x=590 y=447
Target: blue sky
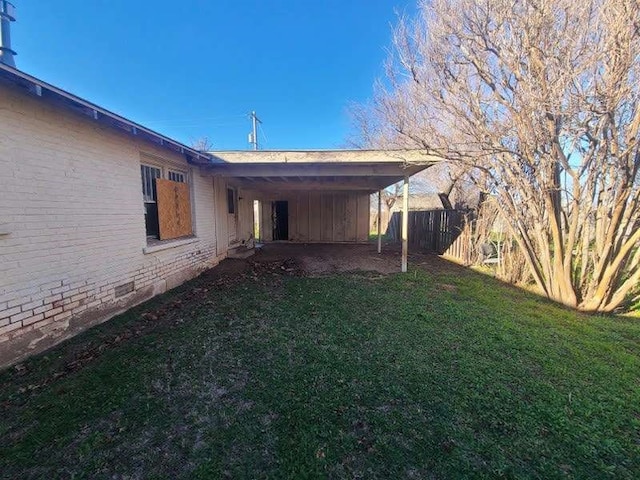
x=196 y=68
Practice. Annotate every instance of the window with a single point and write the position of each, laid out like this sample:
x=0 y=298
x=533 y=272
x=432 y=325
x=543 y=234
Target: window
x=167 y=207
x=150 y=194
x=176 y=176
x=231 y=201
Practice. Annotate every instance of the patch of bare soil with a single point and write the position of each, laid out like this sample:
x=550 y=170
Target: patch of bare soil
x=325 y=259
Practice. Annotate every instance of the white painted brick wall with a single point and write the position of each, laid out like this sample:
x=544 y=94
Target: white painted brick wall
x=70 y=191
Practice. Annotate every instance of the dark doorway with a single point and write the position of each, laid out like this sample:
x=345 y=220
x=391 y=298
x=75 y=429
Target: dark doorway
x=280 y=213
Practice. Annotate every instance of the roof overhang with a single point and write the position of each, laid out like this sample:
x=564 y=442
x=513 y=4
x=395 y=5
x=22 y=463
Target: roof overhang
x=95 y=113
x=335 y=170
x=264 y=170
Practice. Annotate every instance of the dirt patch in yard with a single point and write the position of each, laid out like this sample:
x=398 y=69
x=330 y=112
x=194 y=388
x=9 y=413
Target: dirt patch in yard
x=326 y=259
x=312 y=260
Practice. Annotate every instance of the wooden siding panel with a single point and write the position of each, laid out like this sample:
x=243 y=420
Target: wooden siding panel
x=302 y=217
x=174 y=209
x=292 y=217
x=339 y=217
x=363 y=218
x=315 y=217
x=351 y=217
x=320 y=216
x=326 y=215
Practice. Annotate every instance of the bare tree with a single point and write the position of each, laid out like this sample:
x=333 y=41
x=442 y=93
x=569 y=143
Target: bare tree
x=454 y=183
x=202 y=144
x=541 y=98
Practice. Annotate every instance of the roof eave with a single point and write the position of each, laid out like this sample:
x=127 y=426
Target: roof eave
x=93 y=112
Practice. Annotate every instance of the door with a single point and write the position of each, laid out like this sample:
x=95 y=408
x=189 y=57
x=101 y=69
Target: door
x=232 y=214
x=280 y=215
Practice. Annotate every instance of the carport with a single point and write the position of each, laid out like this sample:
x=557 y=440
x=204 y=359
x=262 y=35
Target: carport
x=312 y=196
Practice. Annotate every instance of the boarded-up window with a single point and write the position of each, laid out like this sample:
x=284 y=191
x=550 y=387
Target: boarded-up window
x=174 y=209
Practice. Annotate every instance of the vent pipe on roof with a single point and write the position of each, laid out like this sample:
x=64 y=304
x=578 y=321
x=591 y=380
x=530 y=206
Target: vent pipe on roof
x=7 y=15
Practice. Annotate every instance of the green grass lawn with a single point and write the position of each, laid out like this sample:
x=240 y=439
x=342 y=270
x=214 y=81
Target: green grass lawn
x=439 y=373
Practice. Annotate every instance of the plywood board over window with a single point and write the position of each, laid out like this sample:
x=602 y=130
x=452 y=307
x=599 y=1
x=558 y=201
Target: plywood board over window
x=174 y=209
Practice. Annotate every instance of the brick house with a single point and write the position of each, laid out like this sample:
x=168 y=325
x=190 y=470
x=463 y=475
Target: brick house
x=98 y=213
x=73 y=245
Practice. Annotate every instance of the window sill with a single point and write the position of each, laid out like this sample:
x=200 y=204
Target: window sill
x=159 y=245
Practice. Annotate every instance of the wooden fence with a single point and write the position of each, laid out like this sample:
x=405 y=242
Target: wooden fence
x=439 y=231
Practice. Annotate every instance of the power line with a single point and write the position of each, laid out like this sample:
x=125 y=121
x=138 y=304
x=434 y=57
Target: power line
x=264 y=135
x=200 y=124
x=198 y=119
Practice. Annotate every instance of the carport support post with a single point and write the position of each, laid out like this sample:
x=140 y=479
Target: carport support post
x=405 y=223
x=380 y=221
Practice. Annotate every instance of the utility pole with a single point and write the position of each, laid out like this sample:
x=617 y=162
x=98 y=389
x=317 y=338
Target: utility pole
x=7 y=15
x=253 y=136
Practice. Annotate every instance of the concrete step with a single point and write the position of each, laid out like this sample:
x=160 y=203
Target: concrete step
x=241 y=252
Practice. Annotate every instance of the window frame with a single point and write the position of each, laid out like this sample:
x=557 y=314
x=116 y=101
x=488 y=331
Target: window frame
x=167 y=172
x=150 y=200
x=153 y=198
x=174 y=175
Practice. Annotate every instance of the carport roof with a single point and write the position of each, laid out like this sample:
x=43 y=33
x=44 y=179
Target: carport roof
x=281 y=170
